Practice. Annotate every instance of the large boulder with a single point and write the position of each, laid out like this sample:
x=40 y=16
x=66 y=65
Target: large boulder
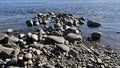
x=5 y=52
x=54 y=39
x=96 y=35
x=73 y=37
x=92 y=23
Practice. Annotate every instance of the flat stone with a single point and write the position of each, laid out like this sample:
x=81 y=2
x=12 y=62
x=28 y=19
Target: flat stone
x=73 y=37
x=55 y=39
x=13 y=39
x=63 y=47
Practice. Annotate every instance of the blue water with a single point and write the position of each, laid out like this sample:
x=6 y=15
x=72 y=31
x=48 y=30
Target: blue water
x=14 y=13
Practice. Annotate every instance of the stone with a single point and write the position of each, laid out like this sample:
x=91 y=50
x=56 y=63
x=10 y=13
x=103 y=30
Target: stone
x=63 y=47
x=16 y=52
x=92 y=23
x=28 y=56
x=3 y=39
x=38 y=52
x=71 y=30
x=21 y=36
x=34 y=37
x=30 y=62
x=96 y=35
x=13 y=39
x=73 y=52
x=82 y=18
x=54 y=39
x=5 y=52
x=29 y=23
x=99 y=60
x=36 y=23
x=9 y=31
x=73 y=37
x=48 y=66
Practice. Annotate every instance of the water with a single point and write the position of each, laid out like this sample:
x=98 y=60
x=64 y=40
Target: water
x=14 y=13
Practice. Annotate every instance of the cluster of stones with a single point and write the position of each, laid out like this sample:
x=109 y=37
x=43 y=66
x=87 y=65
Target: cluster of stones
x=57 y=45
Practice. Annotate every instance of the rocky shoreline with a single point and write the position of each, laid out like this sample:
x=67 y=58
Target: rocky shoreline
x=59 y=44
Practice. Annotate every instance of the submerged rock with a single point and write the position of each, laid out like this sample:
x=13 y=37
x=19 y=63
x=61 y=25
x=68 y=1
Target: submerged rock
x=96 y=35
x=92 y=23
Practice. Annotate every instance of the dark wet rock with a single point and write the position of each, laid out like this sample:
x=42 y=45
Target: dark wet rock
x=36 y=23
x=54 y=39
x=81 y=22
x=73 y=37
x=96 y=35
x=63 y=47
x=13 y=61
x=92 y=23
x=73 y=52
x=5 y=51
x=29 y=23
x=21 y=43
x=3 y=39
x=71 y=30
x=82 y=18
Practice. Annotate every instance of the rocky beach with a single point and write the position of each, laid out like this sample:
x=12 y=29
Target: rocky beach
x=59 y=43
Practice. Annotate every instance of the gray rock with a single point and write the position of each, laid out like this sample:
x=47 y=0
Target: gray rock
x=21 y=36
x=96 y=35
x=92 y=23
x=63 y=47
x=5 y=52
x=34 y=37
x=73 y=37
x=30 y=62
x=9 y=31
x=54 y=39
x=28 y=56
x=13 y=39
x=29 y=23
